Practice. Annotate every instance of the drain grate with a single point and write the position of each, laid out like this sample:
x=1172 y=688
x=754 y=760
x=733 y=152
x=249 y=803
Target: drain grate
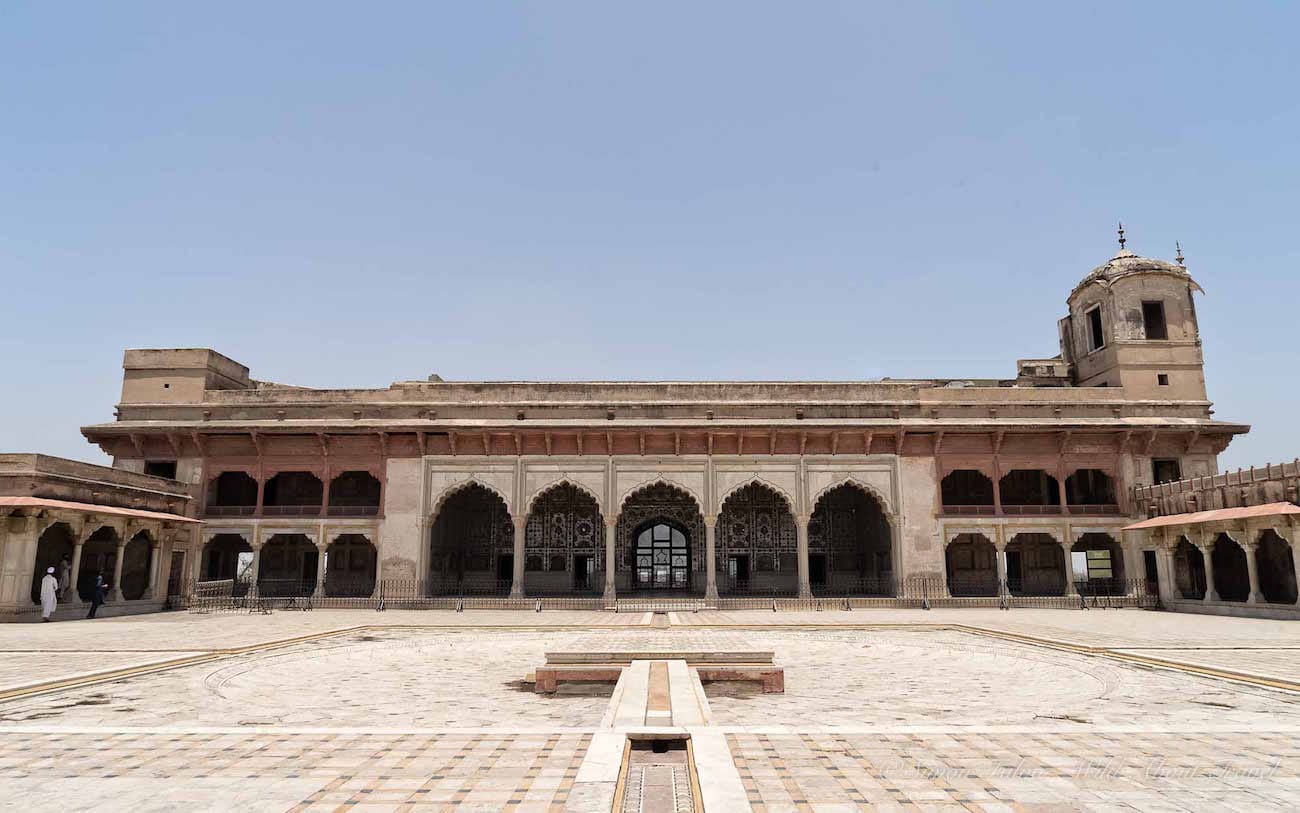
x=657 y=777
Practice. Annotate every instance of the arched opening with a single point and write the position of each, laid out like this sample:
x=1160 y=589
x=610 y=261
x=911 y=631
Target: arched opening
x=1091 y=491
x=966 y=491
x=135 y=566
x=1189 y=570
x=659 y=540
x=228 y=556
x=1029 y=491
x=350 y=563
x=564 y=539
x=1275 y=563
x=232 y=493
x=1097 y=561
x=756 y=544
x=472 y=544
x=287 y=566
x=972 y=566
x=354 y=494
x=1035 y=565
x=850 y=532
x=1231 y=576
x=53 y=549
x=293 y=493
x=98 y=557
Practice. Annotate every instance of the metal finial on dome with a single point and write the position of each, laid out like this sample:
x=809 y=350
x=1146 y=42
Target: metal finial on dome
x=1179 y=246
x=1122 y=241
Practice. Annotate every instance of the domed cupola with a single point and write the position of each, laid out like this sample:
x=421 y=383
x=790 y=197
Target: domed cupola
x=1132 y=324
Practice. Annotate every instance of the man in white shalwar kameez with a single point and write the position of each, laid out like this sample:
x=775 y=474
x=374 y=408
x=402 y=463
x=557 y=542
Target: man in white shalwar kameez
x=49 y=594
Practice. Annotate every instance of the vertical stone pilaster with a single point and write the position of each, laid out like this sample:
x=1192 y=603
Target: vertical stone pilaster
x=611 y=531
x=710 y=558
x=517 y=575
x=1069 y=566
x=801 y=532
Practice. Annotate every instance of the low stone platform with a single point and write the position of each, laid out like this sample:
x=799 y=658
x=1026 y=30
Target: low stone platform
x=710 y=665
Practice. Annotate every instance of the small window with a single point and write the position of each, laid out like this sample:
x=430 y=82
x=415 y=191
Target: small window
x=161 y=468
x=1166 y=471
x=1162 y=379
x=1153 y=319
x=1096 y=339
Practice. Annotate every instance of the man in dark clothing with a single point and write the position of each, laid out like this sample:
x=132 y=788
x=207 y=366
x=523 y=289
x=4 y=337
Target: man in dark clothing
x=97 y=595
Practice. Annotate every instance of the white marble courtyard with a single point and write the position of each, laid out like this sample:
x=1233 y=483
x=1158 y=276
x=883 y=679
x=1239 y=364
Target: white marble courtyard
x=891 y=709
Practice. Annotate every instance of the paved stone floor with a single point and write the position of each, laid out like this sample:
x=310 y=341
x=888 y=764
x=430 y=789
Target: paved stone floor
x=888 y=709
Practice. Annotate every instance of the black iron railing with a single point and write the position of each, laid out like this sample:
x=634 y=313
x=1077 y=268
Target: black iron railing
x=913 y=591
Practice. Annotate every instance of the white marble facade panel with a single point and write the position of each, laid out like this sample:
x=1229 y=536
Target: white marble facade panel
x=689 y=476
x=446 y=478
x=731 y=476
x=583 y=475
x=875 y=476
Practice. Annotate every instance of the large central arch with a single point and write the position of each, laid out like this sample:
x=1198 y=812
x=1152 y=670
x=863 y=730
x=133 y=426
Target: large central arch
x=660 y=521
x=850 y=544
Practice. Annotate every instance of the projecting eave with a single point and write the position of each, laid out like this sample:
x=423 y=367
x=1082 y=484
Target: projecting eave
x=370 y=425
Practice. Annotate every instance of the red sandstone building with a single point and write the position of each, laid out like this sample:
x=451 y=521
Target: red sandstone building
x=955 y=487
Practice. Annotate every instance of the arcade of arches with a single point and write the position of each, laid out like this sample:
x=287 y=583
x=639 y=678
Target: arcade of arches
x=293 y=564
x=1259 y=569
x=127 y=564
x=1034 y=564
x=660 y=542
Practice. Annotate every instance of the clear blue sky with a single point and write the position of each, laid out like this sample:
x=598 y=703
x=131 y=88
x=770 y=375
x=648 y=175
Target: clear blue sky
x=348 y=194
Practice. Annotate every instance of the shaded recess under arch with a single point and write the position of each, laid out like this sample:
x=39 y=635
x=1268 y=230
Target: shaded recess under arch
x=972 y=567
x=850 y=544
x=471 y=544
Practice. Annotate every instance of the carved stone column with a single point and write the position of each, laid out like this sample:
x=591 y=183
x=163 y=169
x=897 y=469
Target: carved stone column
x=155 y=548
x=1210 y=593
x=517 y=576
x=801 y=552
x=1069 y=568
x=254 y=569
x=1252 y=570
x=322 y=550
x=710 y=558
x=1000 y=557
x=75 y=575
x=611 y=530
x=115 y=592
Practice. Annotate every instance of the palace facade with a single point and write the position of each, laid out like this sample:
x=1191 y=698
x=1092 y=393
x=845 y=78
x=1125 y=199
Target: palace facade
x=694 y=488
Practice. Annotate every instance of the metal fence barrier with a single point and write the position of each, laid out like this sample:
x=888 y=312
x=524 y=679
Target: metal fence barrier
x=922 y=592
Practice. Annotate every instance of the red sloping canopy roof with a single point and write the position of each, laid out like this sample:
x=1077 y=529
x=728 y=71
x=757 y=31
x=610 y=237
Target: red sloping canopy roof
x=1272 y=509
x=91 y=508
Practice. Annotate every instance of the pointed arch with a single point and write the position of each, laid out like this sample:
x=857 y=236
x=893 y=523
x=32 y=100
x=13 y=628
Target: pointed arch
x=851 y=539
x=853 y=482
x=660 y=480
x=757 y=544
x=757 y=481
x=463 y=485
x=471 y=540
x=564 y=480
